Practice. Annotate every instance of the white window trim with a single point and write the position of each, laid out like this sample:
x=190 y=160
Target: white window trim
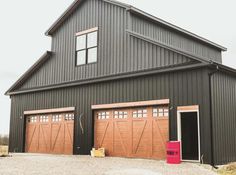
x=87 y=31
x=86 y=49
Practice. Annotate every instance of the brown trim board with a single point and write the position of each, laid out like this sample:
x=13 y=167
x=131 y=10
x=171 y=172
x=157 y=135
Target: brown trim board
x=131 y=104
x=46 y=111
x=188 y=108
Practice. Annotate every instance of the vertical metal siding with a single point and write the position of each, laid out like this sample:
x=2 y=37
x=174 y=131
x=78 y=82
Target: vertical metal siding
x=112 y=22
x=224 y=117
x=118 y=52
x=145 y=56
x=182 y=88
x=174 y=39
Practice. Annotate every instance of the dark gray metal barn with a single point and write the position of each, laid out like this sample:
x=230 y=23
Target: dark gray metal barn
x=106 y=54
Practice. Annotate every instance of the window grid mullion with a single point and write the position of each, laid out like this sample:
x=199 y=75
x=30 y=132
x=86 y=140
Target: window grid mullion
x=86 y=47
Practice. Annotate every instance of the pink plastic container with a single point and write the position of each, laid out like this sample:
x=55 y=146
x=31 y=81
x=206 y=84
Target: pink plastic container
x=173 y=152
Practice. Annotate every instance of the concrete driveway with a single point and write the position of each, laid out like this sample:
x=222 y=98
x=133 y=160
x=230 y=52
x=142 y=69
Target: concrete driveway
x=39 y=164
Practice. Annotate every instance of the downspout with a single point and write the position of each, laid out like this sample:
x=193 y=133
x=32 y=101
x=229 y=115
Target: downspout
x=211 y=117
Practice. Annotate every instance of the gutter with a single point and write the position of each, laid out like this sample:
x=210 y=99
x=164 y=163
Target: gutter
x=211 y=116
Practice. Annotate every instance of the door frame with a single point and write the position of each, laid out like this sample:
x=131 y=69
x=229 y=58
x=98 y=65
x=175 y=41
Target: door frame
x=186 y=109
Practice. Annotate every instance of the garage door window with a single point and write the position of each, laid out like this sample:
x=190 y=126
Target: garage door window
x=43 y=119
x=103 y=115
x=69 y=117
x=120 y=114
x=56 y=118
x=140 y=113
x=32 y=119
x=161 y=111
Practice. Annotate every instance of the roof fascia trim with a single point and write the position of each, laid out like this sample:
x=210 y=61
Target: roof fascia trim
x=71 y=9
x=63 y=17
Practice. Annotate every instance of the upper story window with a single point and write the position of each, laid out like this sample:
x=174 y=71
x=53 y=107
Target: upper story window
x=86 y=46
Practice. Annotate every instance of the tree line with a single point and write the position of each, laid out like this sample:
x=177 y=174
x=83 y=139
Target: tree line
x=4 y=139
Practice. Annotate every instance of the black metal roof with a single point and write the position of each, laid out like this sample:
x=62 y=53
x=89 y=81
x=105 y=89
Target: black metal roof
x=133 y=10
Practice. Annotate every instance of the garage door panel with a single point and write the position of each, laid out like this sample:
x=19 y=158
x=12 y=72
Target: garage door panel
x=121 y=139
x=57 y=143
x=69 y=132
x=50 y=133
x=160 y=136
x=32 y=141
x=104 y=136
x=141 y=140
x=138 y=132
x=106 y=139
x=101 y=132
x=44 y=140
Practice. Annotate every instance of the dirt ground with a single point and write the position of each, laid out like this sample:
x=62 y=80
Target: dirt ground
x=39 y=164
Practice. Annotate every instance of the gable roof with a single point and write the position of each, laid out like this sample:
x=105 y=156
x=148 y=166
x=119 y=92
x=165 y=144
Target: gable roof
x=30 y=71
x=133 y=10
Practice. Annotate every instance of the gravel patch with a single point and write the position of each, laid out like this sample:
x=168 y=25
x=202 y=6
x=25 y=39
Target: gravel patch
x=40 y=164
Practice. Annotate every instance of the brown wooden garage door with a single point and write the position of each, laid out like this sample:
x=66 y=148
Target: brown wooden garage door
x=50 y=133
x=133 y=132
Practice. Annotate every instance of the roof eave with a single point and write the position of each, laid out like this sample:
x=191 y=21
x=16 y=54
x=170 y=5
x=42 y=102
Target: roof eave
x=64 y=16
x=223 y=67
x=38 y=63
x=171 y=68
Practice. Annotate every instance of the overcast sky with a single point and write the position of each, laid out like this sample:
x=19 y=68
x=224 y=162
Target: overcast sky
x=23 y=24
